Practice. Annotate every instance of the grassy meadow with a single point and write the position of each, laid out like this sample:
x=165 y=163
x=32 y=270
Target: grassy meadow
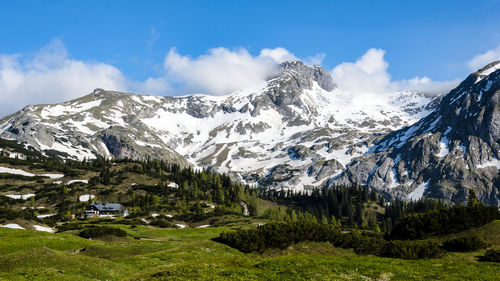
x=149 y=253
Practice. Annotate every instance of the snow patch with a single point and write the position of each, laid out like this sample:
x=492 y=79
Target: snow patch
x=419 y=191
x=86 y=197
x=141 y=143
x=61 y=109
x=12 y=226
x=53 y=176
x=27 y=174
x=15 y=172
x=45 y=216
x=394 y=181
x=20 y=196
x=492 y=163
x=43 y=228
x=487 y=72
x=443 y=145
x=75 y=181
x=173 y=185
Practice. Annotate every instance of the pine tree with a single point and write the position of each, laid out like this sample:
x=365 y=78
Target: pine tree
x=472 y=201
x=333 y=220
x=324 y=220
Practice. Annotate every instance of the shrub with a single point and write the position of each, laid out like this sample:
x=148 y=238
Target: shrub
x=161 y=223
x=277 y=235
x=69 y=226
x=402 y=249
x=369 y=246
x=407 y=249
x=281 y=235
x=134 y=221
x=8 y=214
x=491 y=255
x=100 y=231
x=443 y=221
x=464 y=244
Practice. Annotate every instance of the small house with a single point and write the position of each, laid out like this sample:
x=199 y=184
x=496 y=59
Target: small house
x=98 y=209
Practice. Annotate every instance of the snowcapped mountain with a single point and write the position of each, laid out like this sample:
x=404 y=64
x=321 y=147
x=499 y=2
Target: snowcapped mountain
x=454 y=148
x=296 y=131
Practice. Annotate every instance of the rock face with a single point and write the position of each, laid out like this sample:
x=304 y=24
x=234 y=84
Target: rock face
x=454 y=148
x=298 y=131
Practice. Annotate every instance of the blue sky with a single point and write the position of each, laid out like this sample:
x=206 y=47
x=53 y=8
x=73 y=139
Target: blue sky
x=436 y=39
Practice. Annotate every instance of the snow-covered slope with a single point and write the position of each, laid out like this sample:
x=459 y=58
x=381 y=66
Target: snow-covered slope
x=297 y=131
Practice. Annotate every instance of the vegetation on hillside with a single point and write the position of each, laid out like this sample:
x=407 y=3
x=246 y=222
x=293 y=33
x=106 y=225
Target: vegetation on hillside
x=404 y=241
x=155 y=186
x=337 y=233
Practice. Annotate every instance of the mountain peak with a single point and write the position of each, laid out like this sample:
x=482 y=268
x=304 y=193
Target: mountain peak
x=306 y=74
x=487 y=70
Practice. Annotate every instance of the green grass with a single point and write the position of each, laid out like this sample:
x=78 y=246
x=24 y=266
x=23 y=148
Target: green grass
x=190 y=254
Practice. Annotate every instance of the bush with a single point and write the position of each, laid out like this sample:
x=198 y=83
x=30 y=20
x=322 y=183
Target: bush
x=8 y=214
x=277 y=235
x=407 y=249
x=491 y=255
x=443 y=221
x=100 y=231
x=134 y=221
x=369 y=246
x=464 y=244
x=161 y=223
x=281 y=235
x=402 y=249
x=69 y=226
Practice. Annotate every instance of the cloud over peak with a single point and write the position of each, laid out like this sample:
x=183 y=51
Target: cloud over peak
x=479 y=61
x=368 y=74
x=50 y=76
x=221 y=71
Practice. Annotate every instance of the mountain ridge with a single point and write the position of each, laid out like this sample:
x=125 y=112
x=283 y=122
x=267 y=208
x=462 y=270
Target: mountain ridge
x=298 y=131
x=452 y=149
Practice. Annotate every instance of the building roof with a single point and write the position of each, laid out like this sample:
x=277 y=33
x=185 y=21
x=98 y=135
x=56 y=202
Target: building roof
x=106 y=206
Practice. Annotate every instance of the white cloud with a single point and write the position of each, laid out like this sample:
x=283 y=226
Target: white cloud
x=50 y=76
x=368 y=74
x=152 y=86
x=315 y=60
x=425 y=84
x=483 y=59
x=278 y=54
x=221 y=70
